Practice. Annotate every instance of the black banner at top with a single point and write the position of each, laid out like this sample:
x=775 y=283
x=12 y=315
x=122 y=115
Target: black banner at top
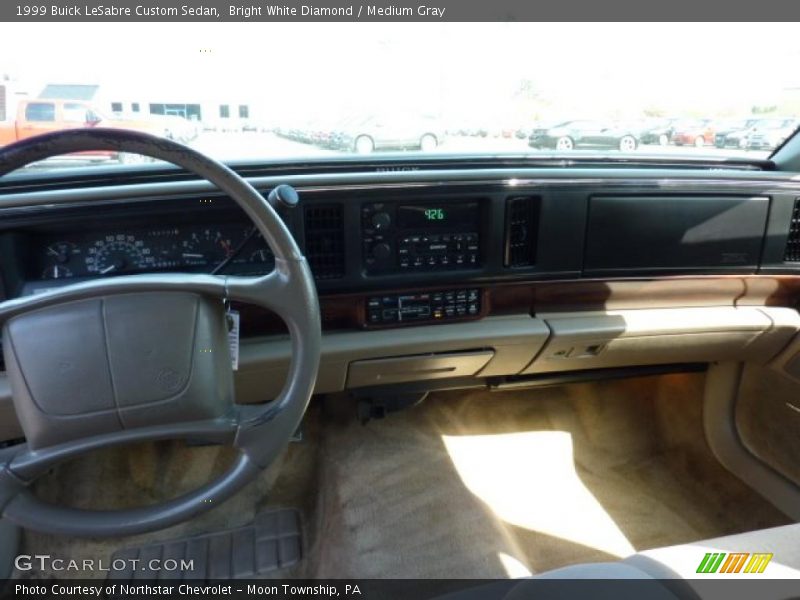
x=395 y=10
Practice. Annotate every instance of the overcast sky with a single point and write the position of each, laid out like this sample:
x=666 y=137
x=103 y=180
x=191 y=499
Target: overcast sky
x=465 y=68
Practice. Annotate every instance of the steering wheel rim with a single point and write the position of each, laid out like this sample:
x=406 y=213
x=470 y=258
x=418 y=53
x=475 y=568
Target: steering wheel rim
x=258 y=432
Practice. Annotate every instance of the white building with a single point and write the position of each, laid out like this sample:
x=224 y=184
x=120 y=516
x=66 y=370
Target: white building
x=224 y=110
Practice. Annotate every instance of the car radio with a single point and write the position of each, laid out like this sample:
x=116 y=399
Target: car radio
x=401 y=237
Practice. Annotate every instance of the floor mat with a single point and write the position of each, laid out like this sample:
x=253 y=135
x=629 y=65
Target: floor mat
x=480 y=484
x=272 y=542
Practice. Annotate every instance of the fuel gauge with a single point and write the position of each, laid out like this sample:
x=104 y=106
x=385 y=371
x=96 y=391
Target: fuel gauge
x=58 y=260
x=61 y=252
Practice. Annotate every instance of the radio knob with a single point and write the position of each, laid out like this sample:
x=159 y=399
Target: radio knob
x=381 y=251
x=381 y=220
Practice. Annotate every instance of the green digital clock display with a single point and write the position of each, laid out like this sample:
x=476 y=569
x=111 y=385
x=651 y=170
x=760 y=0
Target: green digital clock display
x=444 y=216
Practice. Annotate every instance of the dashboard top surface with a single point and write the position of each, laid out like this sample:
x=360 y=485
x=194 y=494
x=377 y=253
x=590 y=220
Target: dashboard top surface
x=152 y=219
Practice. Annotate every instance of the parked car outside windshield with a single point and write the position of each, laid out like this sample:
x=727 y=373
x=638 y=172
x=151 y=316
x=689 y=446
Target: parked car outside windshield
x=585 y=134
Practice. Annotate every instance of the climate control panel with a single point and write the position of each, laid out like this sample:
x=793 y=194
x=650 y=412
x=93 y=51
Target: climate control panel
x=445 y=305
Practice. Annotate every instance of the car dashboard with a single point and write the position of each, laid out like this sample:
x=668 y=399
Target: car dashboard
x=456 y=275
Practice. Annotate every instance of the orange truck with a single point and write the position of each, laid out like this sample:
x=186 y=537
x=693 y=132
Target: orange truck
x=37 y=116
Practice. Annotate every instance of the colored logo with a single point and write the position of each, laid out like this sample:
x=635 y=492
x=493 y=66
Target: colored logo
x=734 y=562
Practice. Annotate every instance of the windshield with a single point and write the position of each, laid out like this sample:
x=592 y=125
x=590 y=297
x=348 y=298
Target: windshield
x=261 y=91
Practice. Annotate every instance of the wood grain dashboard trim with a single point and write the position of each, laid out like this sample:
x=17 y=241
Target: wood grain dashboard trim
x=347 y=311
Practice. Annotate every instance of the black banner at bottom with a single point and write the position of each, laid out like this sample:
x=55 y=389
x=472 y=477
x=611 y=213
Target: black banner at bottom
x=419 y=589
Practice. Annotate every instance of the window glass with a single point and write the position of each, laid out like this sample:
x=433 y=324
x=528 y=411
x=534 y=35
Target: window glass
x=40 y=112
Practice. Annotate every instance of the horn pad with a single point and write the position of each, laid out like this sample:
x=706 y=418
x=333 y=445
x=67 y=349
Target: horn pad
x=117 y=362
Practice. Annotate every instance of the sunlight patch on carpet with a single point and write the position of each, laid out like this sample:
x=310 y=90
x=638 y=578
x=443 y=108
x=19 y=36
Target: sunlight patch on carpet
x=528 y=479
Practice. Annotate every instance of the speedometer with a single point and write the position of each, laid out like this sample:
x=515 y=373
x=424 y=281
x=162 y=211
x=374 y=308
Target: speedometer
x=118 y=254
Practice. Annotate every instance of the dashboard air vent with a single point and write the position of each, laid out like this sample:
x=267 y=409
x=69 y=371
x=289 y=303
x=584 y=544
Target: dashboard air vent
x=522 y=225
x=324 y=232
x=792 y=253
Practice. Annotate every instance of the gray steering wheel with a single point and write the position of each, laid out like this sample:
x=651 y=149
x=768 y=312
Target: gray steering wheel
x=145 y=357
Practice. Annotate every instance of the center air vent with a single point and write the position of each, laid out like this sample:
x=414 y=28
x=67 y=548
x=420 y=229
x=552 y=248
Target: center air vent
x=792 y=253
x=522 y=226
x=324 y=229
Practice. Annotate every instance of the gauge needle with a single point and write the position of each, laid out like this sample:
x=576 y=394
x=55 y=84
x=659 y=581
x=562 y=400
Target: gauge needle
x=191 y=255
x=108 y=269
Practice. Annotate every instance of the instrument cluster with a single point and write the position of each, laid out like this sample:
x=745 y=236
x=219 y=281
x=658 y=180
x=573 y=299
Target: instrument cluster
x=192 y=248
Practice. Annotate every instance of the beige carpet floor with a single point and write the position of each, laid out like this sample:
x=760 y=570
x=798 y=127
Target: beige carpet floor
x=480 y=484
x=467 y=484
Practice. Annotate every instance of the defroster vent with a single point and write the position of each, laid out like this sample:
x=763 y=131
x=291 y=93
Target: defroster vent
x=522 y=226
x=324 y=232
x=792 y=253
